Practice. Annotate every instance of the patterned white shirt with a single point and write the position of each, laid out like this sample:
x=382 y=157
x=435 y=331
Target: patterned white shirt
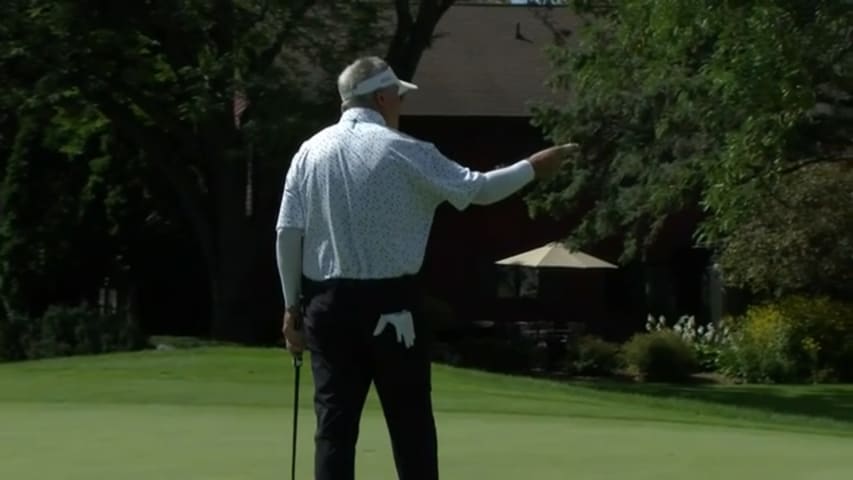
x=365 y=197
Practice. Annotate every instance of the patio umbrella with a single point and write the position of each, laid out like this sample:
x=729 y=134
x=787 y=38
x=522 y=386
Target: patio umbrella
x=555 y=254
x=562 y=302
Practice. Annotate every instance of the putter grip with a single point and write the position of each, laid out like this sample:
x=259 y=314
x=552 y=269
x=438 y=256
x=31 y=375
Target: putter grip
x=297 y=324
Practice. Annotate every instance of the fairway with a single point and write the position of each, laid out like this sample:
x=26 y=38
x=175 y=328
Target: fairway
x=224 y=413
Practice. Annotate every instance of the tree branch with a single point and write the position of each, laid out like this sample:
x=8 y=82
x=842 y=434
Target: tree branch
x=263 y=13
x=222 y=32
x=445 y=6
x=412 y=37
x=402 y=32
x=814 y=161
x=404 y=14
x=262 y=61
x=189 y=194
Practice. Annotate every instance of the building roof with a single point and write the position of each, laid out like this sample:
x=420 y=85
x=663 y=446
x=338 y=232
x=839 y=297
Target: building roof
x=490 y=60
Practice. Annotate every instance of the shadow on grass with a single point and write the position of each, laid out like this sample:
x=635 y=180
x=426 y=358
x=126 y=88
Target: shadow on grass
x=832 y=402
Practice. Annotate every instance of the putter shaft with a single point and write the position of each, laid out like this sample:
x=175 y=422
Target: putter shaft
x=297 y=363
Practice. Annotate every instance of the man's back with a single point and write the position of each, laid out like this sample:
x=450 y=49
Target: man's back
x=365 y=196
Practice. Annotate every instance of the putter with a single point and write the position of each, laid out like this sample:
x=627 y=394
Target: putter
x=297 y=363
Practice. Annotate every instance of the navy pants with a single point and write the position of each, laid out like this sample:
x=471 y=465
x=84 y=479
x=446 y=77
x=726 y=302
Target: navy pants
x=346 y=358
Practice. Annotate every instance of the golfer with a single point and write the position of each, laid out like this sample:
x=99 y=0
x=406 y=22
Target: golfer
x=355 y=216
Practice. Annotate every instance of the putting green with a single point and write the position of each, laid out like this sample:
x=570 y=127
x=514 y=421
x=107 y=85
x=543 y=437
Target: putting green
x=202 y=415
x=77 y=442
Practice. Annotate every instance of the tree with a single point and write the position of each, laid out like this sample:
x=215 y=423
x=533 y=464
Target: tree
x=698 y=110
x=413 y=33
x=149 y=92
x=802 y=240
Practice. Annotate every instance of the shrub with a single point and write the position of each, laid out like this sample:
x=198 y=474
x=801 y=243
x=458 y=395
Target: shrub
x=13 y=336
x=795 y=339
x=660 y=356
x=65 y=331
x=593 y=356
x=707 y=341
x=821 y=336
x=759 y=350
x=845 y=360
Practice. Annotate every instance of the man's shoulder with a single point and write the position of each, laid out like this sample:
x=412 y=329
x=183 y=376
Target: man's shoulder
x=369 y=134
x=343 y=133
x=321 y=136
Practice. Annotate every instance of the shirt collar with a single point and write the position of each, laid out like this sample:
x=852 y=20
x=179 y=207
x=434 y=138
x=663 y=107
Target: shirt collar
x=365 y=115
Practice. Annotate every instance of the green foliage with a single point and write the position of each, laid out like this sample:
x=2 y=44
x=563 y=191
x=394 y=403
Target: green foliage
x=13 y=328
x=695 y=111
x=67 y=331
x=660 y=356
x=805 y=221
x=594 y=356
x=59 y=232
x=794 y=339
x=133 y=104
x=759 y=349
x=707 y=341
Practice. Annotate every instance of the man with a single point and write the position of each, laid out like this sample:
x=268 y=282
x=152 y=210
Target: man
x=355 y=216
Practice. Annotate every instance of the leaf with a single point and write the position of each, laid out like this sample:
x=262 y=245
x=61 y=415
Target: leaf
x=697 y=107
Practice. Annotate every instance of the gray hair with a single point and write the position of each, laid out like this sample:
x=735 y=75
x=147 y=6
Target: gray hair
x=355 y=73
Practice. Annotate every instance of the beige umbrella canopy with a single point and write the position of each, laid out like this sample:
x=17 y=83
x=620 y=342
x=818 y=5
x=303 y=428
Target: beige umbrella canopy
x=555 y=254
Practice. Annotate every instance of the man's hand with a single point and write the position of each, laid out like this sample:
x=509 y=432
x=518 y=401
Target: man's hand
x=546 y=163
x=292 y=330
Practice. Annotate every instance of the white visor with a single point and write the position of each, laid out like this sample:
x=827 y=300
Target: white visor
x=383 y=79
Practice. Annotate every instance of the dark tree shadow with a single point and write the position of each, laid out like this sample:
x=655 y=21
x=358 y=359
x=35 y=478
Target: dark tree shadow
x=831 y=402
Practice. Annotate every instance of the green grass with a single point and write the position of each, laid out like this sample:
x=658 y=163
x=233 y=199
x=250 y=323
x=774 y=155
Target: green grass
x=225 y=413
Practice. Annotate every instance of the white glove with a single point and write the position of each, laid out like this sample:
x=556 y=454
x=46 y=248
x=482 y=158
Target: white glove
x=403 y=324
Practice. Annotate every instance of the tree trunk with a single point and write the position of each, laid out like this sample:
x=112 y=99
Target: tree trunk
x=413 y=35
x=236 y=316
x=240 y=306
x=245 y=296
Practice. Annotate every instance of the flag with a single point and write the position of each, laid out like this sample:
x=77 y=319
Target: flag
x=241 y=103
x=240 y=99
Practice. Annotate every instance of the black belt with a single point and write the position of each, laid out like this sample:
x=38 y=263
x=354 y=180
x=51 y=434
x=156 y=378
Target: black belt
x=383 y=294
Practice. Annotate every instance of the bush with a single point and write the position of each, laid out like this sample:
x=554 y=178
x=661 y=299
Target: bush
x=66 y=331
x=821 y=336
x=759 y=348
x=795 y=339
x=594 y=356
x=13 y=329
x=707 y=341
x=660 y=356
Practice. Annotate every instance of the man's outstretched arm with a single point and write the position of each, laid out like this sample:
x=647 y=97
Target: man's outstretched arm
x=503 y=182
